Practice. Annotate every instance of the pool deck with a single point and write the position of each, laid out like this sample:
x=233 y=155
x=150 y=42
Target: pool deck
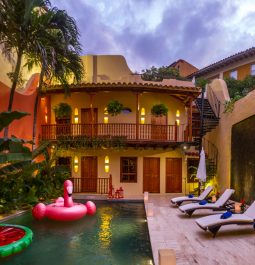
x=171 y=229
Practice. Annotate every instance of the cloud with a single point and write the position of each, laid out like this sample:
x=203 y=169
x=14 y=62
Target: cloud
x=159 y=32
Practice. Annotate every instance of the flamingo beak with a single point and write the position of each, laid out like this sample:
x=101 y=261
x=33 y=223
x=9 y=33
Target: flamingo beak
x=69 y=190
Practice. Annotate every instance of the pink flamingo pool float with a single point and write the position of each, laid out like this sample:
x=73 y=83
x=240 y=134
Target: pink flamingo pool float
x=64 y=209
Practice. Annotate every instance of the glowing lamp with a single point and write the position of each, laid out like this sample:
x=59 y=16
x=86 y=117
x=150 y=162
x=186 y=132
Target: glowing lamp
x=142 y=120
x=106 y=160
x=106 y=119
x=142 y=111
x=146 y=196
x=177 y=122
x=106 y=168
x=76 y=115
x=46 y=118
x=177 y=114
x=105 y=111
x=76 y=164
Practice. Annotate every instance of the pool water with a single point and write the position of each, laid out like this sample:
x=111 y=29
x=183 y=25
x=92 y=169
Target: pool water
x=116 y=235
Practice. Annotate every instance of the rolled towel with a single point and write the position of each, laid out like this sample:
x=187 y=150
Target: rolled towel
x=203 y=202
x=190 y=196
x=226 y=215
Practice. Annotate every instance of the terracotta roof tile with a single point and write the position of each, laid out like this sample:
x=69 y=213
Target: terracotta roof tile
x=224 y=62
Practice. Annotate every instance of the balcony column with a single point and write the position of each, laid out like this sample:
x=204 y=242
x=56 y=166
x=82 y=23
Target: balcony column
x=92 y=121
x=190 y=120
x=137 y=114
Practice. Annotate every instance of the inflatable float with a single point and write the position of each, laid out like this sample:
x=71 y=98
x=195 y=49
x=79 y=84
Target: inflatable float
x=64 y=209
x=14 y=238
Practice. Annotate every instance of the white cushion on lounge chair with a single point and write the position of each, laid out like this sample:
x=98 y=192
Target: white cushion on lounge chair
x=215 y=221
x=202 y=196
x=216 y=205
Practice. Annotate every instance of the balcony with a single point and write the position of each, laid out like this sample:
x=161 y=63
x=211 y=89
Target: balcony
x=133 y=134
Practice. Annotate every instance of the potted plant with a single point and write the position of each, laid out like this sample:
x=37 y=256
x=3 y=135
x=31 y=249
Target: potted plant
x=62 y=110
x=159 y=110
x=114 y=107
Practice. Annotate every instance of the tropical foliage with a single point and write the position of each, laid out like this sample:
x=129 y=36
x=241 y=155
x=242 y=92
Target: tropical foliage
x=23 y=181
x=238 y=89
x=62 y=110
x=158 y=74
x=18 y=32
x=114 y=107
x=159 y=110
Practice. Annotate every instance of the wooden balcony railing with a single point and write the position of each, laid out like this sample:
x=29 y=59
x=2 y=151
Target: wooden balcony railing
x=146 y=132
x=90 y=185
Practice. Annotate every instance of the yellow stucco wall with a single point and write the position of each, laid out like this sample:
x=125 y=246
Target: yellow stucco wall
x=105 y=68
x=242 y=71
x=114 y=157
x=128 y=99
x=221 y=136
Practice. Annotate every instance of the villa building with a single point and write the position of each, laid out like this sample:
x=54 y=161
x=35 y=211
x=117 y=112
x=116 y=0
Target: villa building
x=141 y=151
x=185 y=69
x=237 y=66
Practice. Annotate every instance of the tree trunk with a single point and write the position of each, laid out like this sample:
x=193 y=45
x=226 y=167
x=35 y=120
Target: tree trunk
x=36 y=107
x=13 y=88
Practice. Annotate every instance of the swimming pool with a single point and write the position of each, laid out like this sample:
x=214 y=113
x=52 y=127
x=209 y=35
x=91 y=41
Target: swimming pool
x=116 y=235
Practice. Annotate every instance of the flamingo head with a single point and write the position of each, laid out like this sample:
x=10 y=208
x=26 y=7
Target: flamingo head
x=68 y=187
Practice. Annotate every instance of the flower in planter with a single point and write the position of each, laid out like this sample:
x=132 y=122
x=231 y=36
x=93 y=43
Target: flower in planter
x=159 y=110
x=242 y=205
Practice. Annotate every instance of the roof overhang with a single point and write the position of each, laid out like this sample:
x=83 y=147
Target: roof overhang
x=182 y=93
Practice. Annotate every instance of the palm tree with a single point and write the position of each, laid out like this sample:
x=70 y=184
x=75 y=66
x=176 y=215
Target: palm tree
x=17 y=27
x=56 y=51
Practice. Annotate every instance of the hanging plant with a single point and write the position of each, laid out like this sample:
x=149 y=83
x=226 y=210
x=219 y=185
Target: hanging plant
x=159 y=110
x=62 y=110
x=114 y=107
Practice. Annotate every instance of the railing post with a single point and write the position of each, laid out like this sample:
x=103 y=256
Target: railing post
x=137 y=114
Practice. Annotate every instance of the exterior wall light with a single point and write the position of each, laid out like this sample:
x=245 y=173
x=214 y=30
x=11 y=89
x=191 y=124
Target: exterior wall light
x=46 y=114
x=142 y=111
x=142 y=115
x=76 y=164
x=76 y=115
x=106 y=119
x=106 y=164
x=177 y=117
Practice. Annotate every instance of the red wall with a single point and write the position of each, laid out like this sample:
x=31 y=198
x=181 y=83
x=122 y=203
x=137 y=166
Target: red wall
x=20 y=128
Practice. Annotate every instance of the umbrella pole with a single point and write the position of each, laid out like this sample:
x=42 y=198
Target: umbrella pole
x=201 y=129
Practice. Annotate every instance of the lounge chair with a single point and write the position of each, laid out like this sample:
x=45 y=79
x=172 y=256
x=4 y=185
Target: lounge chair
x=179 y=200
x=214 y=222
x=220 y=204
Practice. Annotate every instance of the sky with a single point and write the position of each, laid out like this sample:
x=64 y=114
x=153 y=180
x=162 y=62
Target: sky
x=158 y=32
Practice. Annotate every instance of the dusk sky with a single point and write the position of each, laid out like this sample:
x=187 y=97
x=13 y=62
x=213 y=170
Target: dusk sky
x=159 y=32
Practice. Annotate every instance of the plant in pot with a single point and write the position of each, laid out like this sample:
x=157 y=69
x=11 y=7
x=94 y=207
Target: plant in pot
x=62 y=111
x=114 y=107
x=159 y=110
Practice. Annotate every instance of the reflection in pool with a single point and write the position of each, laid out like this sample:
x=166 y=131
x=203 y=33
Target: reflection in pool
x=116 y=235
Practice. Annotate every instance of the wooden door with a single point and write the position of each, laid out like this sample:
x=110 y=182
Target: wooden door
x=173 y=175
x=87 y=119
x=89 y=174
x=151 y=174
x=158 y=127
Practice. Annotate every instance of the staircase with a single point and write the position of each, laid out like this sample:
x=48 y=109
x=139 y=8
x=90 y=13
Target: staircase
x=210 y=119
